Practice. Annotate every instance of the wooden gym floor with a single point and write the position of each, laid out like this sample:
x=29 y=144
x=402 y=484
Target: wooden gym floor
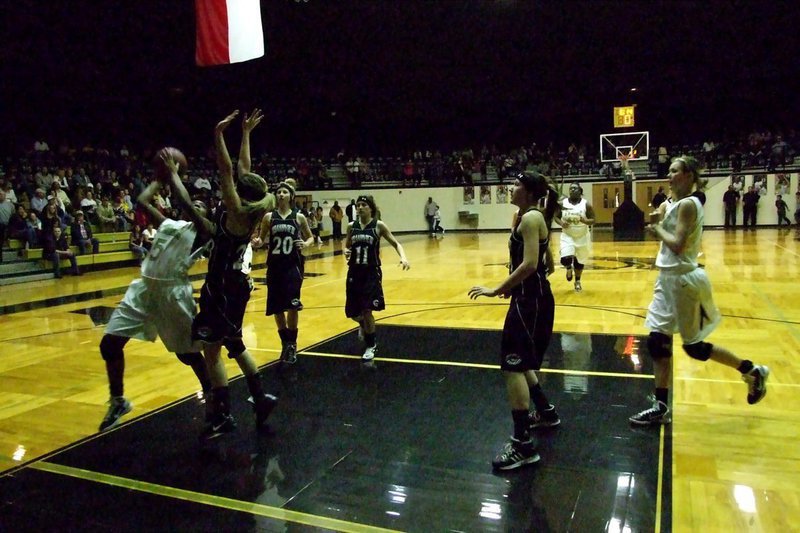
x=405 y=444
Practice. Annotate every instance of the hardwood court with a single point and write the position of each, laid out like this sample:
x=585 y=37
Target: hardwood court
x=724 y=465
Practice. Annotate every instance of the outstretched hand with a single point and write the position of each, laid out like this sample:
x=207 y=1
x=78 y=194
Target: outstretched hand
x=225 y=122
x=252 y=120
x=169 y=161
x=476 y=291
x=405 y=264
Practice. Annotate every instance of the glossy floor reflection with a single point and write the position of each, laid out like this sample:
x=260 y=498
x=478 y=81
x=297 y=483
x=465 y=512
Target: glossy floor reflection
x=402 y=445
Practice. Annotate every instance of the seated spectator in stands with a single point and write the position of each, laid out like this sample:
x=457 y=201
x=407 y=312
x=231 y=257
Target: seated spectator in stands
x=778 y=155
x=202 y=185
x=136 y=243
x=18 y=228
x=123 y=213
x=39 y=200
x=61 y=197
x=148 y=234
x=8 y=188
x=81 y=233
x=35 y=225
x=60 y=177
x=106 y=217
x=43 y=179
x=6 y=212
x=81 y=180
x=55 y=248
x=89 y=206
x=51 y=217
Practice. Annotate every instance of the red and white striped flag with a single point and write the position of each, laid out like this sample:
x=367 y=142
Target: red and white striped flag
x=228 y=31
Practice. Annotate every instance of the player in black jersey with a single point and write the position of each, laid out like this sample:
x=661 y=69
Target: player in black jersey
x=226 y=291
x=364 y=289
x=529 y=321
x=285 y=232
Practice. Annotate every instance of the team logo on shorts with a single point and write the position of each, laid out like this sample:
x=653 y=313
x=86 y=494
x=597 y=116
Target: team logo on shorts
x=376 y=303
x=513 y=359
x=204 y=332
x=296 y=304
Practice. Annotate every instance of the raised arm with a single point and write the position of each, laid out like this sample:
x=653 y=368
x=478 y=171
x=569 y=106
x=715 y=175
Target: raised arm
x=229 y=196
x=248 y=123
x=203 y=225
x=145 y=200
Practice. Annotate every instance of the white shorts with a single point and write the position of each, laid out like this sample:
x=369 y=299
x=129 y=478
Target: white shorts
x=152 y=308
x=580 y=247
x=683 y=303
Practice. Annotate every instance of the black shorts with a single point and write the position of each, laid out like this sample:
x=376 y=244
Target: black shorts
x=222 y=307
x=283 y=290
x=526 y=333
x=364 y=291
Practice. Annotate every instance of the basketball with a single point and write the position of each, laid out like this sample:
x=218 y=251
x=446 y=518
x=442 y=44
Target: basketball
x=160 y=169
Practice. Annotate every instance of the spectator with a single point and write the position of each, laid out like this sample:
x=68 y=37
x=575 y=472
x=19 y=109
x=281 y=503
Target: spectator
x=89 y=207
x=136 y=243
x=778 y=155
x=750 y=200
x=18 y=228
x=55 y=248
x=781 y=206
x=430 y=212
x=81 y=233
x=35 y=227
x=350 y=210
x=39 y=200
x=6 y=212
x=658 y=198
x=106 y=216
x=731 y=201
x=148 y=234
x=337 y=215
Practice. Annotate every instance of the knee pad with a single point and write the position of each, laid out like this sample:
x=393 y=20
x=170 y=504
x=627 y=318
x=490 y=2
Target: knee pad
x=567 y=261
x=699 y=350
x=111 y=347
x=189 y=359
x=235 y=347
x=660 y=345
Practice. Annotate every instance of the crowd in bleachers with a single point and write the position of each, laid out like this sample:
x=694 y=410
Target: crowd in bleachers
x=45 y=187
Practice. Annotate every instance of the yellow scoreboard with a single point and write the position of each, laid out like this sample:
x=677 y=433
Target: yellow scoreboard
x=624 y=116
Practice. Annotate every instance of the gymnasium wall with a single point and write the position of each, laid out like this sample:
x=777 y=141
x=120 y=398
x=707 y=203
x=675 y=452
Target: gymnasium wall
x=403 y=209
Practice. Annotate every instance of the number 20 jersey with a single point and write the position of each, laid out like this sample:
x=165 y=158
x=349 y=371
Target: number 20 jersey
x=283 y=254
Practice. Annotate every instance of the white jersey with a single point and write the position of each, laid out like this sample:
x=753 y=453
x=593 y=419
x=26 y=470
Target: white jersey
x=171 y=255
x=687 y=261
x=247 y=260
x=572 y=214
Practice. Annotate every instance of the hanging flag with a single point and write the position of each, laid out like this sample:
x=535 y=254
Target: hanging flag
x=228 y=31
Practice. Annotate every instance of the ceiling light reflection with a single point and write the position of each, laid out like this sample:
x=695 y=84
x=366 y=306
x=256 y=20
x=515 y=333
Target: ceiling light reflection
x=745 y=498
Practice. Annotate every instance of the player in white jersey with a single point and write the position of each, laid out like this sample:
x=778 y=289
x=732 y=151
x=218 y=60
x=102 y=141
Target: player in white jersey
x=160 y=303
x=682 y=299
x=575 y=217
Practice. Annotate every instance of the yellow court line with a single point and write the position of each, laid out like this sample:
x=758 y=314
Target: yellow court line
x=481 y=365
x=709 y=380
x=210 y=499
x=660 y=478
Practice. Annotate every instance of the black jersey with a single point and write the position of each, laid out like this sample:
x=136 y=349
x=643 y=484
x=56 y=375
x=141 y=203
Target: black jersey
x=282 y=234
x=365 y=244
x=227 y=251
x=536 y=284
